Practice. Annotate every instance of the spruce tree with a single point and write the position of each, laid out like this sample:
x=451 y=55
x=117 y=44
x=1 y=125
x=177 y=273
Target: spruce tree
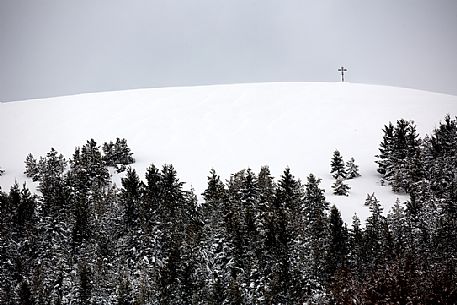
x=215 y=247
x=385 y=149
x=339 y=188
x=317 y=233
x=130 y=197
x=31 y=167
x=265 y=228
x=287 y=269
x=352 y=169
x=375 y=233
x=337 y=166
x=338 y=244
x=356 y=255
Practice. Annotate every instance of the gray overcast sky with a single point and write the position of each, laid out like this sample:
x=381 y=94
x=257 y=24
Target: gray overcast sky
x=50 y=48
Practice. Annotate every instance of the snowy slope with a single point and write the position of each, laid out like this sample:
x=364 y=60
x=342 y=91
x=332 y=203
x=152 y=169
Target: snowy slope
x=227 y=127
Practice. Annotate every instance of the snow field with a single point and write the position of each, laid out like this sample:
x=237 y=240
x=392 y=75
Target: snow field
x=228 y=128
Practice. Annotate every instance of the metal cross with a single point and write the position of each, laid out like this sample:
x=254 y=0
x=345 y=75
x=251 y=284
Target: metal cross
x=342 y=70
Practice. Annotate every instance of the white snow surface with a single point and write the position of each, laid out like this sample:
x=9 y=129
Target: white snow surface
x=228 y=128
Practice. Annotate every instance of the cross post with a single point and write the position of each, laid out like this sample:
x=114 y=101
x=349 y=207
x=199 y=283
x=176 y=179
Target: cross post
x=342 y=70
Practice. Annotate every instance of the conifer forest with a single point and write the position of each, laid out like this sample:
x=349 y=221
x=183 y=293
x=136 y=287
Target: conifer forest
x=250 y=238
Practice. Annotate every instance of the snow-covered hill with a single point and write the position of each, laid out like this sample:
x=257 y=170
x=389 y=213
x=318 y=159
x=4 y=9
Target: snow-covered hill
x=227 y=127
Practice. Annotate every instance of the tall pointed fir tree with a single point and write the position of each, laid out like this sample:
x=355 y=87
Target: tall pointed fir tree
x=176 y=230
x=337 y=165
x=265 y=230
x=356 y=255
x=338 y=244
x=55 y=226
x=290 y=197
x=385 y=150
x=337 y=257
x=252 y=292
x=234 y=221
x=317 y=234
x=215 y=247
x=375 y=233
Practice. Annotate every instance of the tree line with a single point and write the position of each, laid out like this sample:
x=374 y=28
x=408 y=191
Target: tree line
x=252 y=239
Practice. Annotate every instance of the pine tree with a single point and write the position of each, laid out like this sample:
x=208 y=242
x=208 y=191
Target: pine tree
x=249 y=236
x=117 y=154
x=401 y=171
x=317 y=234
x=266 y=232
x=352 y=169
x=337 y=166
x=54 y=243
x=356 y=256
x=398 y=226
x=385 y=149
x=176 y=215
x=287 y=268
x=130 y=197
x=339 y=188
x=338 y=243
x=375 y=233
x=214 y=246
x=31 y=167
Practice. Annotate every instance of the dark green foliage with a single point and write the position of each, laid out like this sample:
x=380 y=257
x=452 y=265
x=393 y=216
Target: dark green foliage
x=400 y=156
x=352 y=169
x=131 y=197
x=25 y=295
x=339 y=188
x=250 y=240
x=317 y=228
x=85 y=284
x=337 y=254
x=385 y=149
x=117 y=154
x=31 y=167
x=337 y=165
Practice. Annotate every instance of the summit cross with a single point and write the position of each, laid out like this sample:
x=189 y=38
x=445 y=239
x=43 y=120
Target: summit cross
x=342 y=70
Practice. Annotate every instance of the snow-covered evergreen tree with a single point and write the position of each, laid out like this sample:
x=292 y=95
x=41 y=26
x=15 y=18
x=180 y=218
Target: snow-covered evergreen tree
x=317 y=234
x=338 y=244
x=340 y=188
x=385 y=149
x=31 y=167
x=337 y=165
x=375 y=233
x=352 y=169
x=117 y=154
x=215 y=248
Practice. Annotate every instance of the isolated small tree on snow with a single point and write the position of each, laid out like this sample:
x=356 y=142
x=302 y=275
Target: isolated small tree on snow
x=337 y=165
x=352 y=169
x=1 y=171
x=339 y=188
